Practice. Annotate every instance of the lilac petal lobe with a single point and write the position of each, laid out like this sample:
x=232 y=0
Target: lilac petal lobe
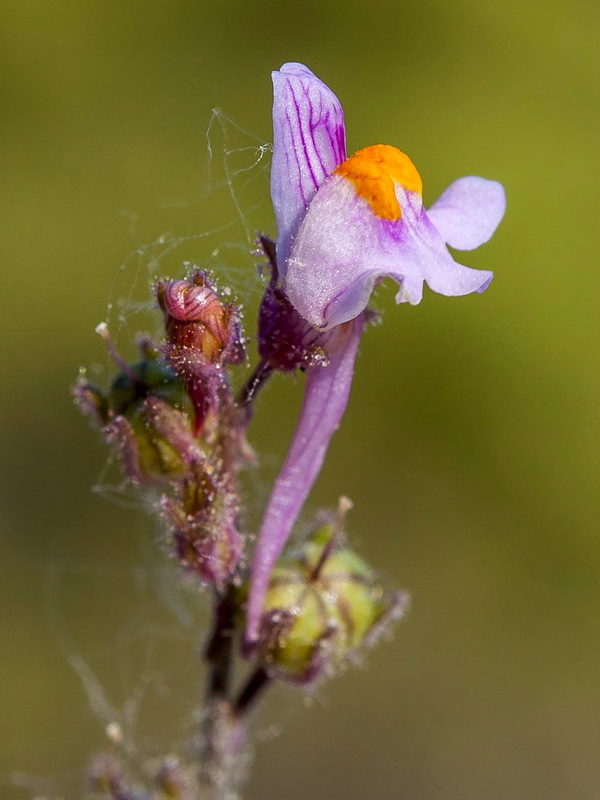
x=325 y=399
x=343 y=249
x=308 y=144
x=468 y=212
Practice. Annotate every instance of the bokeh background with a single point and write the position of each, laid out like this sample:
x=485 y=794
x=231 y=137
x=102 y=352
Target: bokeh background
x=471 y=445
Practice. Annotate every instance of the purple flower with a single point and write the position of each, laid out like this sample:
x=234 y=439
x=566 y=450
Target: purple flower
x=343 y=225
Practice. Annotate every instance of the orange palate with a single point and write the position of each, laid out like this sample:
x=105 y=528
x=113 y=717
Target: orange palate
x=374 y=170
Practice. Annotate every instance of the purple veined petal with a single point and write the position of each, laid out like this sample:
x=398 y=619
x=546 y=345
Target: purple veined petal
x=325 y=400
x=308 y=144
x=343 y=249
x=468 y=212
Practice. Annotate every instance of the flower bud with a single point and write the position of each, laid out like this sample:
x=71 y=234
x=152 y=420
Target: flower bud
x=203 y=335
x=201 y=329
x=323 y=603
x=147 y=414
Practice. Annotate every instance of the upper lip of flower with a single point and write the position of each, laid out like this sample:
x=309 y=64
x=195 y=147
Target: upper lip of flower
x=338 y=232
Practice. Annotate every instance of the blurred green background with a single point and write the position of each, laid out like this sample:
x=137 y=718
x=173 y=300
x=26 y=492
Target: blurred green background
x=471 y=445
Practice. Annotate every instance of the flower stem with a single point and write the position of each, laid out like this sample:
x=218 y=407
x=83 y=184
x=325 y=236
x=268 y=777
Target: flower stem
x=247 y=394
x=258 y=681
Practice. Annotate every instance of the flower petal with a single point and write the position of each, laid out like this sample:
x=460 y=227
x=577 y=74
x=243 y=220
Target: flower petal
x=343 y=249
x=325 y=400
x=308 y=144
x=468 y=212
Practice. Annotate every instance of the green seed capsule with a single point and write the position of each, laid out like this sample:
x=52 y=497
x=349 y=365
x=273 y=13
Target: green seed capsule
x=323 y=603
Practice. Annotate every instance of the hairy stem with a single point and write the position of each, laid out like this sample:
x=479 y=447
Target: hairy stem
x=222 y=758
x=247 y=394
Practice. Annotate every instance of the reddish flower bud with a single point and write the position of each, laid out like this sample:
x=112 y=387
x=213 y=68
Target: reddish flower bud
x=201 y=329
x=203 y=334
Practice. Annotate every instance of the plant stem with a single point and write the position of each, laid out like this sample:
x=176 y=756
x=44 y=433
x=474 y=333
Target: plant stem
x=258 y=681
x=222 y=737
x=261 y=373
x=219 y=650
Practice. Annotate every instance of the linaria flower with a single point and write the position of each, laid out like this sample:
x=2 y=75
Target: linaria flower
x=343 y=225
